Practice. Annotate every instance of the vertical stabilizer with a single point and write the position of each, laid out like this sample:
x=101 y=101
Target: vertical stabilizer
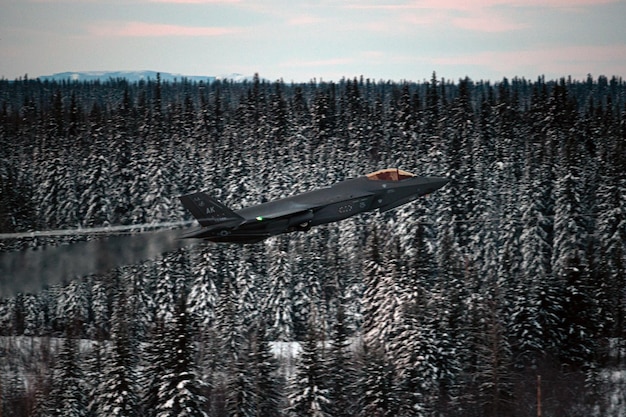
x=208 y=211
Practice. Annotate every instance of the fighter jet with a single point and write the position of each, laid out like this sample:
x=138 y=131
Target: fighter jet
x=383 y=190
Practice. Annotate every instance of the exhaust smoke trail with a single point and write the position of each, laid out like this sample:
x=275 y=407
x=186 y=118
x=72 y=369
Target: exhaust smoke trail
x=105 y=230
x=30 y=271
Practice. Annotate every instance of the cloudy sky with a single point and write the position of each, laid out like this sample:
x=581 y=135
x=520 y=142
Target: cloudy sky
x=323 y=39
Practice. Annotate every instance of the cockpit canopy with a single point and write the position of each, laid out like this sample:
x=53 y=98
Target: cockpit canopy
x=389 y=174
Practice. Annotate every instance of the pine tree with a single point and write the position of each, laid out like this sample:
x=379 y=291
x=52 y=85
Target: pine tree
x=488 y=384
x=203 y=293
x=33 y=324
x=373 y=297
x=241 y=397
x=117 y=393
x=309 y=392
x=12 y=393
x=528 y=321
x=569 y=260
x=277 y=306
x=73 y=307
x=180 y=391
x=249 y=292
x=610 y=254
x=67 y=398
x=267 y=384
x=94 y=375
x=232 y=390
x=416 y=359
x=165 y=295
x=140 y=287
x=44 y=383
x=100 y=325
x=95 y=198
x=153 y=365
x=341 y=369
x=461 y=166
x=380 y=397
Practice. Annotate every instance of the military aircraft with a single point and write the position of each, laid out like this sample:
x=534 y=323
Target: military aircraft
x=383 y=190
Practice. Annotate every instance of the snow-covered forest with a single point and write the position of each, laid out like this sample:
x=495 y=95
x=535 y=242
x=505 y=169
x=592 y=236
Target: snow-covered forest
x=505 y=286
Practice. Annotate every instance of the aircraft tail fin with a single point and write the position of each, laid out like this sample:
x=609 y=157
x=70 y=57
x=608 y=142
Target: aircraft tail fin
x=208 y=211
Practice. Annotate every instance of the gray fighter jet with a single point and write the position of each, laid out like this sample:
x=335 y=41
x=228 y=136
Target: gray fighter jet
x=383 y=190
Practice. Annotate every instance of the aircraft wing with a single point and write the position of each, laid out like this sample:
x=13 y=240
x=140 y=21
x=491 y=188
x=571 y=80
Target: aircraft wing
x=297 y=205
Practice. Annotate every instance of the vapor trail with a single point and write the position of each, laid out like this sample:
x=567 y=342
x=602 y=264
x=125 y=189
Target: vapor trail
x=30 y=271
x=105 y=230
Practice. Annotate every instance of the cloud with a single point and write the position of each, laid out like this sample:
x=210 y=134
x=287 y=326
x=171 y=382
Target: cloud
x=489 y=16
x=142 y=29
x=441 y=14
x=486 y=21
x=459 y=5
x=127 y=2
x=196 y=1
x=304 y=20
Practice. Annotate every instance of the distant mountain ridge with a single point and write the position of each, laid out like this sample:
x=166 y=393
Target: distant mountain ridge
x=134 y=76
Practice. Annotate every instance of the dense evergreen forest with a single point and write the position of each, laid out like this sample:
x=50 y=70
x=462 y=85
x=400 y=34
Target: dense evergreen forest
x=506 y=285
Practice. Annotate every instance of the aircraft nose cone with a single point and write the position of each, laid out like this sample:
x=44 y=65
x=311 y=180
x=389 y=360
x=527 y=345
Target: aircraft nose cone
x=431 y=184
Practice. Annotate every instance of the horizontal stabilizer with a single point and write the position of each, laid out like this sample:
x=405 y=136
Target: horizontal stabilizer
x=208 y=211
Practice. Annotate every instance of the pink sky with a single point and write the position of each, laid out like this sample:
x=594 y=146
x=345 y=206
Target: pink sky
x=301 y=40
x=142 y=29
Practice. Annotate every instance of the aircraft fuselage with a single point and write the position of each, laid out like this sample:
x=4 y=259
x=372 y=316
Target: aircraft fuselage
x=303 y=211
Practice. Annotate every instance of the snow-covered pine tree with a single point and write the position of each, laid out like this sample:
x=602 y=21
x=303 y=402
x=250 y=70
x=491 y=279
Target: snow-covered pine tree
x=95 y=200
x=140 y=287
x=373 y=297
x=95 y=361
x=12 y=392
x=33 y=323
x=72 y=310
x=570 y=265
x=487 y=384
x=341 y=369
x=43 y=382
x=68 y=397
x=99 y=326
x=308 y=391
x=528 y=321
x=377 y=381
x=180 y=391
x=268 y=386
x=241 y=396
x=253 y=388
x=460 y=136
x=610 y=251
x=323 y=114
x=278 y=306
x=249 y=288
x=309 y=274
x=202 y=305
x=203 y=293
x=117 y=392
x=229 y=353
x=152 y=367
x=163 y=272
x=417 y=359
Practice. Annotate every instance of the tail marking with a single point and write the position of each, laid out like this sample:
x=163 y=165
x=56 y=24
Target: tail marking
x=208 y=211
